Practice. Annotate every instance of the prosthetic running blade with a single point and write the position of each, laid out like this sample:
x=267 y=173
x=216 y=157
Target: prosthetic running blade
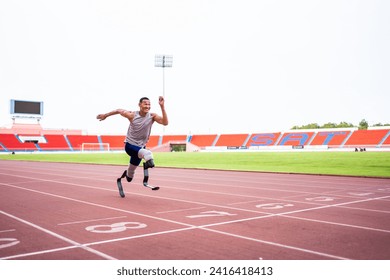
x=153 y=188
x=120 y=188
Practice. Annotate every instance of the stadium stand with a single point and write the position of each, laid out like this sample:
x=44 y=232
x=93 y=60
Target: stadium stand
x=263 y=139
x=386 y=140
x=232 y=140
x=55 y=142
x=10 y=142
x=295 y=138
x=76 y=141
x=116 y=141
x=202 y=140
x=331 y=138
x=173 y=138
x=353 y=138
x=153 y=141
x=367 y=137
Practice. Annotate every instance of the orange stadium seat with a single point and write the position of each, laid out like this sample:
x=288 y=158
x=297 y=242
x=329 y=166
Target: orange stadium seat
x=77 y=140
x=331 y=138
x=203 y=140
x=387 y=140
x=12 y=143
x=173 y=138
x=367 y=137
x=117 y=142
x=153 y=141
x=236 y=140
x=55 y=142
x=263 y=139
x=295 y=138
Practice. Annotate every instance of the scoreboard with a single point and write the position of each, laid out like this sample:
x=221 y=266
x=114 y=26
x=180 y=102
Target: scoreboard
x=32 y=108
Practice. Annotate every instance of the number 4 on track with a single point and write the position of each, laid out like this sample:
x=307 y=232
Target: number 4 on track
x=211 y=214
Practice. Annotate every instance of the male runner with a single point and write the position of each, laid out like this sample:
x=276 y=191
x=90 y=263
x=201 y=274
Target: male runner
x=137 y=136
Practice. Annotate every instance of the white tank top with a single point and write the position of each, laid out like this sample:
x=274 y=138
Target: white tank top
x=139 y=130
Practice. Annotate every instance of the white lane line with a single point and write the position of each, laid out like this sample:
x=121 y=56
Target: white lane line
x=98 y=205
x=278 y=244
x=326 y=206
x=7 y=230
x=93 y=220
x=238 y=185
x=336 y=224
x=63 y=238
x=180 y=210
x=140 y=236
x=94 y=243
x=267 y=214
x=189 y=226
x=286 y=214
x=38 y=253
x=190 y=190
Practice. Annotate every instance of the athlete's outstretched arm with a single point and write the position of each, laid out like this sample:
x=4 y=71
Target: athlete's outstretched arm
x=164 y=118
x=124 y=113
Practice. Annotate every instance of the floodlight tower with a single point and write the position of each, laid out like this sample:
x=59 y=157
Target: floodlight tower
x=162 y=60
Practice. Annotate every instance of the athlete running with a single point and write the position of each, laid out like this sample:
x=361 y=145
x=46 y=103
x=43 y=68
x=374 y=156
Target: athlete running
x=137 y=136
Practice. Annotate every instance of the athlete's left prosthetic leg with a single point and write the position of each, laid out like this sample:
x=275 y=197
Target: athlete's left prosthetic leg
x=149 y=163
x=129 y=174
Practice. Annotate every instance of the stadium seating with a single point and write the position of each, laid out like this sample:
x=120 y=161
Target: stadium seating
x=232 y=140
x=367 y=137
x=76 y=141
x=263 y=139
x=153 y=141
x=386 y=140
x=10 y=142
x=55 y=143
x=203 y=140
x=295 y=138
x=331 y=138
x=173 y=138
x=116 y=141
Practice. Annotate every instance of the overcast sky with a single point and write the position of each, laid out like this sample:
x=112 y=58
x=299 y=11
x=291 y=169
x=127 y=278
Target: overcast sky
x=238 y=66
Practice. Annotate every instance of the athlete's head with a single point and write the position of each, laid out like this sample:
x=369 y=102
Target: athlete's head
x=142 y=99
x=144 y=105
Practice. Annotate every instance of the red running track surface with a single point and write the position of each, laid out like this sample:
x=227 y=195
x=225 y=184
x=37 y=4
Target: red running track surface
x=73 y=211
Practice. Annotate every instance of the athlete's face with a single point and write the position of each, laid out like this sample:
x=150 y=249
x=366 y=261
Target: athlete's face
x=144 y=106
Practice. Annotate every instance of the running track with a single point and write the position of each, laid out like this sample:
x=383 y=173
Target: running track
x=73 y=211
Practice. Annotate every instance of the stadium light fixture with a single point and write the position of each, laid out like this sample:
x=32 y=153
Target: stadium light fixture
x=163 y=61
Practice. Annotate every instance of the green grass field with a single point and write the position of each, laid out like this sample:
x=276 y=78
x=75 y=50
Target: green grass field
x=372 y=164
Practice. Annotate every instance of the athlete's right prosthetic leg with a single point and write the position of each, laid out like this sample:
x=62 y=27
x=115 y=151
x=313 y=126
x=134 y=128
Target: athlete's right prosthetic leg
x=129 y=174
x=119 y=183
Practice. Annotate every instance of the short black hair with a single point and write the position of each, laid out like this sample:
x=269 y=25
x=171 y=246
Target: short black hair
x=143 y=98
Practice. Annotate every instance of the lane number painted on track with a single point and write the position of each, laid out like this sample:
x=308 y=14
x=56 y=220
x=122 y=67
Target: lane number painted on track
x=359 y=194
x=8 y=242
x=117 y=227
x=274 y=206
x=212 y=213
x=321 y=199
